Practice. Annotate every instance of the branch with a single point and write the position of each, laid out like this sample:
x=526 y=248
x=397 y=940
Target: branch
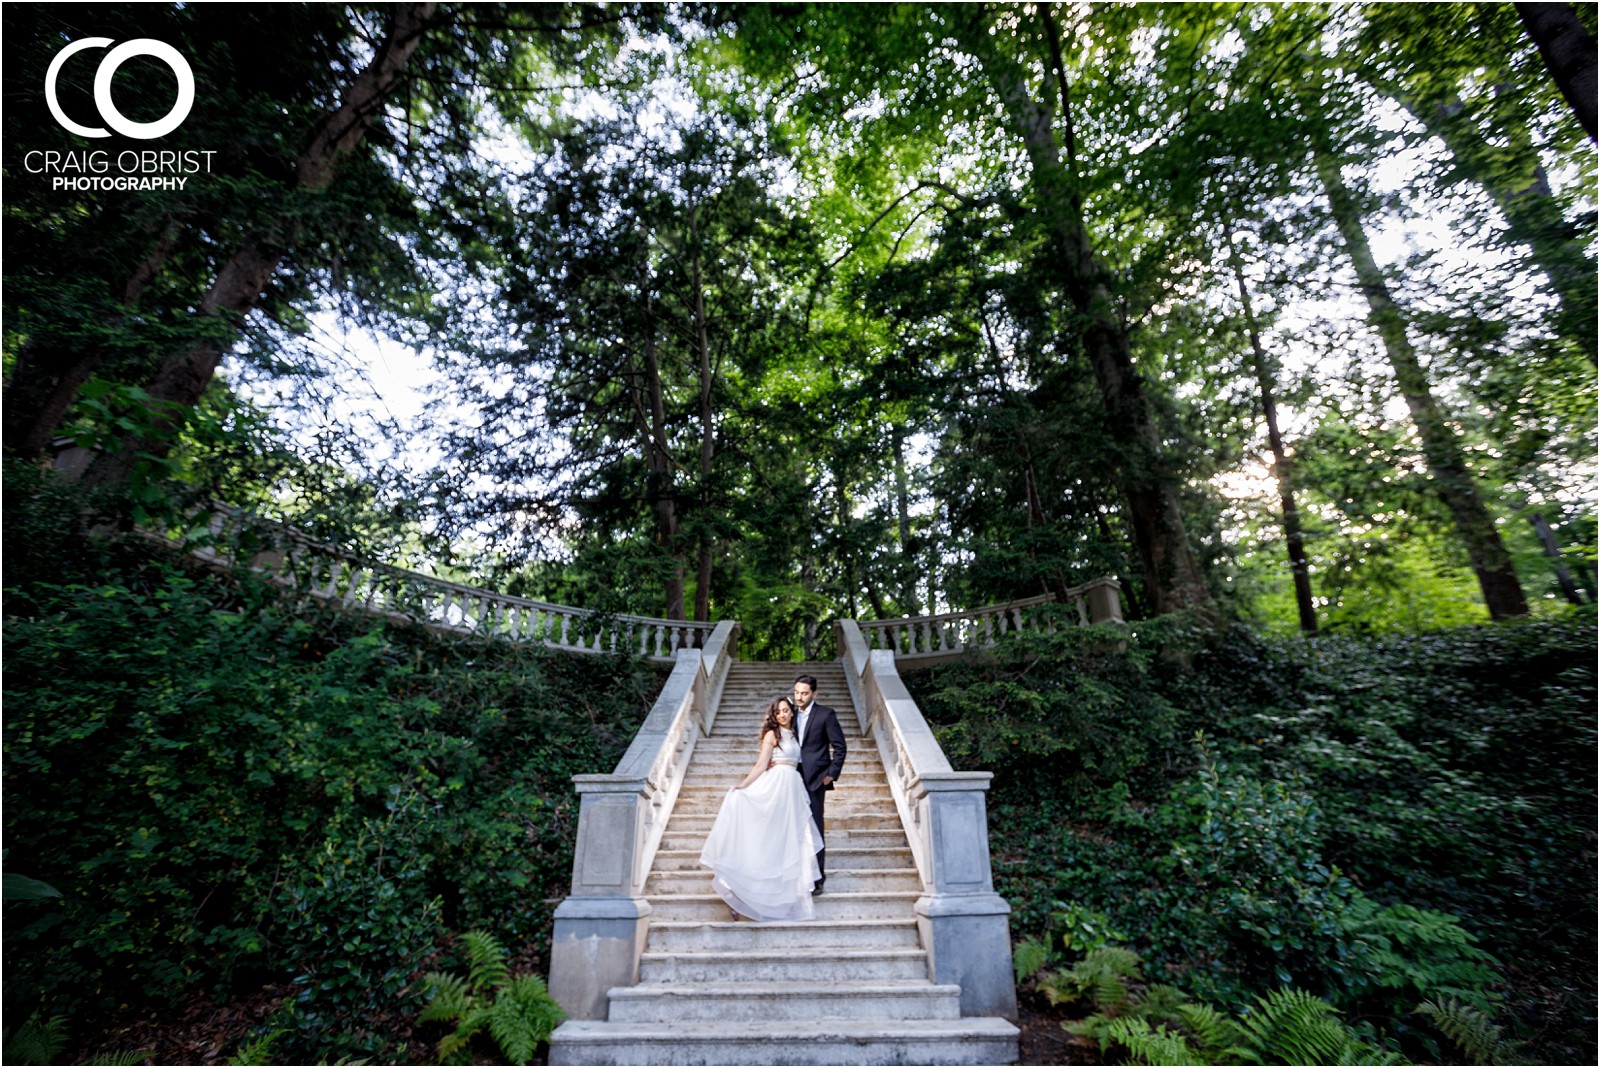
x=966 y=201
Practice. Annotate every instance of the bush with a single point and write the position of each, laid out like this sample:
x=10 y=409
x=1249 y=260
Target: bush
x=1365 y=814
x=229 y=789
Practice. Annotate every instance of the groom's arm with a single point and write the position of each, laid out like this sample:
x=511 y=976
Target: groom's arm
x=835 y=747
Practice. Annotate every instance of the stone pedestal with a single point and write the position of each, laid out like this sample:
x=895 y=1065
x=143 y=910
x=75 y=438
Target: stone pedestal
x=965 y=925
x=595 y=946
x=600 y=930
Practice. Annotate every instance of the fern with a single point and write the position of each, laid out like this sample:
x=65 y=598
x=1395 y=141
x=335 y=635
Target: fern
x=1472 y=1030
x=517 y=1010
x=486 y=961
x=1102 y=974
x=1147 y=1045
x=450 y=999
x=127 y=1056
x=37 y=1041
x=1029 y=957
x=1294 y=1027
x=257 y=1052
x=1219 y=1037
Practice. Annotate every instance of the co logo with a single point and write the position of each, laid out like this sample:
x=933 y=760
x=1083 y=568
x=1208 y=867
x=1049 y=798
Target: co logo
x=143 y=46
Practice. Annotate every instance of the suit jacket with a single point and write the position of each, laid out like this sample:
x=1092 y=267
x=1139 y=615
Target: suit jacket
x=822 y=749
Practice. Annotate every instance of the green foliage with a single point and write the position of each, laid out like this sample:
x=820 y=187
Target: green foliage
x=37 y=1040
x=1472 y=1031
x=256 y=1051
x=1294 y=1027
x=259 y=792
x=1364 y=818
x=1029 y=957
x=1101 y=977
x=517 y=1010
x=1149 y=1045
x=1158 y=1024
x=22 y=888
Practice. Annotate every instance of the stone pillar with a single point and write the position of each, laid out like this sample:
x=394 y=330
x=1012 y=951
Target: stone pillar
x=965 y=925
x=1105 y=601
x=600 y=930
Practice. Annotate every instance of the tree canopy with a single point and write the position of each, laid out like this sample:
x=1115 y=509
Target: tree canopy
x=784 y=312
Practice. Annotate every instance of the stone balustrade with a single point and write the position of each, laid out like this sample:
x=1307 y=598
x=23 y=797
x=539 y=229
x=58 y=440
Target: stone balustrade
x=965 y=925
x=289 y=558
x=601 y=928
x=951 y=634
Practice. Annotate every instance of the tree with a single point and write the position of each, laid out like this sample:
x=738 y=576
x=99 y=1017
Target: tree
x=1569 y=51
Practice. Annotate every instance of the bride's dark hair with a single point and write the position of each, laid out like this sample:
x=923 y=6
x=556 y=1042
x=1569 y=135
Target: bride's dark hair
x=771 y=722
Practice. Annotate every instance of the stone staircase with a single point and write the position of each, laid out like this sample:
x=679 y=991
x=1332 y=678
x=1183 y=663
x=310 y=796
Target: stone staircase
x=849 y=987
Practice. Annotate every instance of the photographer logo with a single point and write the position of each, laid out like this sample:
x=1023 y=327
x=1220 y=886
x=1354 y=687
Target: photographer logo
x=121 y=53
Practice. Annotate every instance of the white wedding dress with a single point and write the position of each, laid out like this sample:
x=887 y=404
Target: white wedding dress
x=762 y=851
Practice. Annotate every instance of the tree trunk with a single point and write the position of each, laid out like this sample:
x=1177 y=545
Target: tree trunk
x=183 y=378
x=1568 y=51
x=702 y=341
x=1171 y=570
x=1547 y=538
x=902 y=507
x=1299 y=567
x=45 y=380
x=658 y=463
x=1514 y=177
x=1452 y=481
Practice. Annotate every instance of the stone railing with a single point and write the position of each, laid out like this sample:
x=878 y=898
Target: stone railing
x=965 y=924
x=600 y=929
x=951 y=634
x=289 y=558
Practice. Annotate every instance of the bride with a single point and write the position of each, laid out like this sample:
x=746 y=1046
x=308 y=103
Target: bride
x=762 y=851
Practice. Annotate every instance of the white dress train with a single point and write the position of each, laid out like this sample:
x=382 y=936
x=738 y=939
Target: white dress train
x=762 y=851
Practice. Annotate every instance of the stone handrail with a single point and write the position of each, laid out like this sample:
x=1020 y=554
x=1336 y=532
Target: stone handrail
x=289 y=558
x=965 y=923
x=600 y=928
x=955 y=633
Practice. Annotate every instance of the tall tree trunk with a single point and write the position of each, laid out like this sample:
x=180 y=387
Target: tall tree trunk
x=1568 y=51
x=45 y=379
x=842 y=508
x=1171 y=570
x=1547 y=538
x=1053 y=582
x=702 y=341
x=1514 y=177
x=658 y=462
x=902 y=508
x=1452 y=481
x=1263 y=365
x=183 y=378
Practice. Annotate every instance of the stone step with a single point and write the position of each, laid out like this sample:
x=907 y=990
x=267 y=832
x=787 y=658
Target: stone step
x=785 y=966
x=974 y=1040
x=714 y=770
x=830 y=905
x=840 y=880
x=693 y=839
x=859 y=796
x=759 y=1004
x=724 y=935
x=747 y=742
x=882 y=818
x=840 y=858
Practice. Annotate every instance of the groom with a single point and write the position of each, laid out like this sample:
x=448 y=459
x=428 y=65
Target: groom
x=821 y=754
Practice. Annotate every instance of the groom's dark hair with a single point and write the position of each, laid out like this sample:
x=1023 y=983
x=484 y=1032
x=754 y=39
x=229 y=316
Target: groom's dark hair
x=809 y=680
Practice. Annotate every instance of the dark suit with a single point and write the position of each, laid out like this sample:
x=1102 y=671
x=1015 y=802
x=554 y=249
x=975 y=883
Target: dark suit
x=821 y=756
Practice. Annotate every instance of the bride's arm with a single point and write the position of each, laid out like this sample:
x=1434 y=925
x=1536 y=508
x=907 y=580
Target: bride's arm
x=768 y=742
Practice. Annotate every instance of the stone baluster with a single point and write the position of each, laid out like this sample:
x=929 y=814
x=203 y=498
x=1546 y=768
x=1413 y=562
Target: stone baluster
x=601 y=928
x=965 y=925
